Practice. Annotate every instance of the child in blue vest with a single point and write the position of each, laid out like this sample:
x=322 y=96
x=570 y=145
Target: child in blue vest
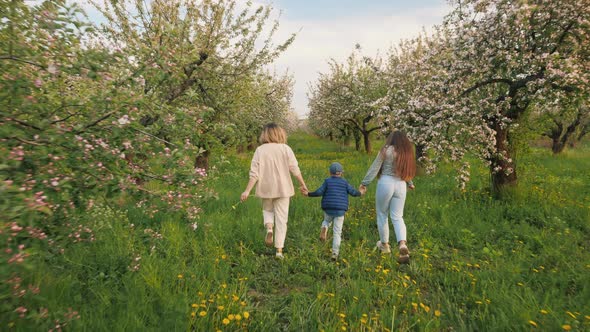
x=334 y=192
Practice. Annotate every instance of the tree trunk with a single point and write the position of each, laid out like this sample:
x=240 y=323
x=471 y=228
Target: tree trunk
x=251 y=144
x=557 y=145
x=366 y=135
x=420 y=151
x=503 y=172
x=202 y=160
x=357 y=140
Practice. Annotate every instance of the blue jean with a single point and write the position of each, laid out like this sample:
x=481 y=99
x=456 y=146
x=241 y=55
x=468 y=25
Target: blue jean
x=390 y=199
x=337 y=237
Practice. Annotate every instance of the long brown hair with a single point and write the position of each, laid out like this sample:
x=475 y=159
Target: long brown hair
x=405 y=160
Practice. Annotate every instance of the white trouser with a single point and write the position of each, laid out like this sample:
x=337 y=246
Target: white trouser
x=275 y=212
x=390 y=199
x=337 y=237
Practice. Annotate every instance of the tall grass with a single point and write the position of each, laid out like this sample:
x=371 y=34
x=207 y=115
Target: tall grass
x=477 y=264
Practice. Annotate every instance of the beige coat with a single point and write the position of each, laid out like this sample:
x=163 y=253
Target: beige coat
x=270 y=166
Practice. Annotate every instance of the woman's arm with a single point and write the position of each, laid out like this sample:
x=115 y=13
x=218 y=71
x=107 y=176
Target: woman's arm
x=249 y=187
x=254 y=166
x=302 y=185
x=373 y=170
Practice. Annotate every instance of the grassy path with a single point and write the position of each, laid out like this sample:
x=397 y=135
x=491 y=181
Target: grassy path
x=477 y=264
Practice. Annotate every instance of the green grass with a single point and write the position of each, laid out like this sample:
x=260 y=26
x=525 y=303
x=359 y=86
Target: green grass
x=478 y=264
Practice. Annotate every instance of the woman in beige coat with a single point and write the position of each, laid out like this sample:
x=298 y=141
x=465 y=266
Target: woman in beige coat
x=270 y=170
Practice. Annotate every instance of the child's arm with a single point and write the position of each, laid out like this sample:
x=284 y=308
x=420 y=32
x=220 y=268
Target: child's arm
x=352 y=191
x=319 y=192
x=411 y=185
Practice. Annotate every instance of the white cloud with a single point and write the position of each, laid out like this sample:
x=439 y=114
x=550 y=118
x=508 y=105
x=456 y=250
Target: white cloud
x=318 y=41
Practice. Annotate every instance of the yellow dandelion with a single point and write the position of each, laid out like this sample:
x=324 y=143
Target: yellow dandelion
x=544 y=312
x=425 y=307
x=437 y=313
x=193 y=314
x=235 y=298
x=194 y=305
x=203 y=313
x=478 y=302
x=223 y=285
x=363 y=320
x=532 y=323
x=243 y=303
x=246 y=314
x=231 y=317
x=220 y=307
x=587 y=317
x=566 y=327
x=225 y=321
x=180 y=276
x=223 y=257
x=343 y=328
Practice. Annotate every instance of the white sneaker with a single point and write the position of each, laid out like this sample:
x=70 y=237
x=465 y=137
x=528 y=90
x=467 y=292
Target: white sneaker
x=279 y=255
x=334 y=256
x=385 y=248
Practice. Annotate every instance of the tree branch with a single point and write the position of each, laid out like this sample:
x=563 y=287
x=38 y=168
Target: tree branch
x=13 y=58
x=95 y=122
x=22 y=123
x=486 y=82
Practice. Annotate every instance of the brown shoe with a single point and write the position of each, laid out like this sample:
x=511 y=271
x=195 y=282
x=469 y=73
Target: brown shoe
x=268 y=239
x=403 y=259
x=404 y=254
x=323 y=233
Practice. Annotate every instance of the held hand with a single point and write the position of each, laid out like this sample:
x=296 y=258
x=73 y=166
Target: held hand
x=304 y=190
x=362 y=189
x=244 y=196
x=411 y=186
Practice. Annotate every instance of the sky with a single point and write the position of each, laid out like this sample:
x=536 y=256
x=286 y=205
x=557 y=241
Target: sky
x=330 y=29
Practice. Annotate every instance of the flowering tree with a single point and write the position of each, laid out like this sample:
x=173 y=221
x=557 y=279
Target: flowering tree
x=508 y=55
x=268 y=100
x=566 y=123
x=88 y=115
x=351 y=97
x=197 y=60
x=71 y=135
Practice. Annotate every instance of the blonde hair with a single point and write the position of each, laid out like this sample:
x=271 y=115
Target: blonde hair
x=405 y=161
x=273 y=133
